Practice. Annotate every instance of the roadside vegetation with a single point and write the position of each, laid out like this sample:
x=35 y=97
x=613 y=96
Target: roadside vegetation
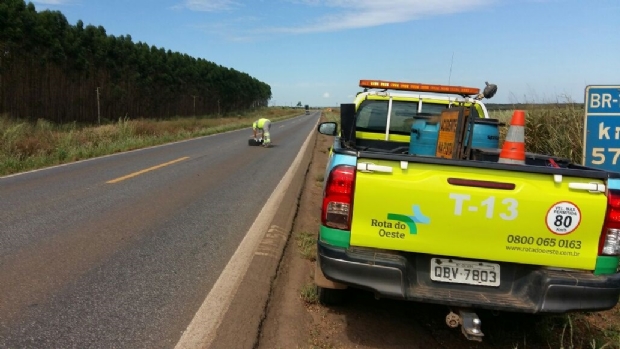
x=306 y=242
x=551 y=128
x=62 y=72
x=309 y=293
x=26 y=145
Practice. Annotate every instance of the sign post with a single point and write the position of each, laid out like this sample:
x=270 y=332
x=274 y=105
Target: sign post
x=601 y=131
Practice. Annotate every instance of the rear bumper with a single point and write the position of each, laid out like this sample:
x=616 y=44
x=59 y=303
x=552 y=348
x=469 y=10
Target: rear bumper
x=406 y=276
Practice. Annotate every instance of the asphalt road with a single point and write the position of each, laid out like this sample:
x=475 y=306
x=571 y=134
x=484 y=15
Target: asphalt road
x=121 y=251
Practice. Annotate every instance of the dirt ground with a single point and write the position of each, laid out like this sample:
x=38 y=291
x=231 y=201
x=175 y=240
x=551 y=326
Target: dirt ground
x=295 y=320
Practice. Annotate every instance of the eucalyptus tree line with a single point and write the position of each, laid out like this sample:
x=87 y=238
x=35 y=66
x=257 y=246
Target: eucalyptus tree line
x=53 y=70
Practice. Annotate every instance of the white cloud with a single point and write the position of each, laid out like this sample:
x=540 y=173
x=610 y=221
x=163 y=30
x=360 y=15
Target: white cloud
x=207 y=5
x=339 y=15
x=326 y=95
x=353 y=14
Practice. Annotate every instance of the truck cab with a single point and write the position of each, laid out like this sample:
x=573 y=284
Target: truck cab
x=466 y=231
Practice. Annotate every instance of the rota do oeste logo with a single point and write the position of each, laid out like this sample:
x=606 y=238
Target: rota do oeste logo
x=402 y=222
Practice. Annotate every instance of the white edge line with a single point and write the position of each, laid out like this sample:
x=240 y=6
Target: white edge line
x=131 y=151
x=202 y=329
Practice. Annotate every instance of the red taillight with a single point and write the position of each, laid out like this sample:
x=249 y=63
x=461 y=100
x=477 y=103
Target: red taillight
x=609 y=243
x=338 y=198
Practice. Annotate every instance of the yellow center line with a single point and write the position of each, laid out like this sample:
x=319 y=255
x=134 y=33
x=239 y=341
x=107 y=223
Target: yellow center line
x=145 y=170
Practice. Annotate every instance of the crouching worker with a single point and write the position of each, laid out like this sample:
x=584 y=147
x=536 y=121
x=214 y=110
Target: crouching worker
x=263 y=125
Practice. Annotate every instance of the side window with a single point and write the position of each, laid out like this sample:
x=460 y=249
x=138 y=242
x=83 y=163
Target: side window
x=363 y=118
x=402 y=117
x=372 y=115
x=433 y=108
x=404 y=114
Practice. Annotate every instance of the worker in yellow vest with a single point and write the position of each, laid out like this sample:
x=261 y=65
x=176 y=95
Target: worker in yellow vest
x=263 y=125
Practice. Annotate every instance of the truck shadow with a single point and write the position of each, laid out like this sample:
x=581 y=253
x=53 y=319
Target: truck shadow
x=385 y=323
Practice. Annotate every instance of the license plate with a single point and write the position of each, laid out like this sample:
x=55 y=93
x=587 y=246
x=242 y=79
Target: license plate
x=464 y=272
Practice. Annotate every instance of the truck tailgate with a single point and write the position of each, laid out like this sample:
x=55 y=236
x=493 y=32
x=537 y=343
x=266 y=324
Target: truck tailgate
x=478 y=213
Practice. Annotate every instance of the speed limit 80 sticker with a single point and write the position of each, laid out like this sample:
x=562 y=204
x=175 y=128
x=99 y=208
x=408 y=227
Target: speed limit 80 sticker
x=563 y=218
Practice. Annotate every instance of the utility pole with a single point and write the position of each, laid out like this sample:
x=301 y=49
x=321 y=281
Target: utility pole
x=194 y=105
x=98 y=108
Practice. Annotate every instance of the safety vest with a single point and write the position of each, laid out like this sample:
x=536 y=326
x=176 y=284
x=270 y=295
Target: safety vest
x=259 y=123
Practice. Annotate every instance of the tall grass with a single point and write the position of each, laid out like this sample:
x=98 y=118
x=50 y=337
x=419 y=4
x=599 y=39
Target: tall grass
x=332 y=114
x=553 y=129
x=31 y=145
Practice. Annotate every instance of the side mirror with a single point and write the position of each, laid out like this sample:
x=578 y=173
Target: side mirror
x=328 y=128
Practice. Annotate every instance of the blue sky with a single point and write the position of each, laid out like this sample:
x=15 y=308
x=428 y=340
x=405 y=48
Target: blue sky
x=316 y=51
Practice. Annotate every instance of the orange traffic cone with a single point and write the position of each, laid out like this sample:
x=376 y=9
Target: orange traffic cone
x=513 y=151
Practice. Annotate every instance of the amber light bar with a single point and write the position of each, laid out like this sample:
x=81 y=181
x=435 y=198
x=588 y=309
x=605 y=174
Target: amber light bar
x=409 y=86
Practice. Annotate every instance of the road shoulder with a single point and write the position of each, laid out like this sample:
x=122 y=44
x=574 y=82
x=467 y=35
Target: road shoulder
x=241 y=324
x=290 y=320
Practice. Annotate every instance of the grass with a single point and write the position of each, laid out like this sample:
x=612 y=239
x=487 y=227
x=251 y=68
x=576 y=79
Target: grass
x=319 y=179
x=600 y=330
x=31 y=145
x=309 y=293
x=562 y=331
x=552 y=128
x=306 y=242
x=332 y=114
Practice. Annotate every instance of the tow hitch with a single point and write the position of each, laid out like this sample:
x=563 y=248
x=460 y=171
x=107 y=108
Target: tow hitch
x=469 y=321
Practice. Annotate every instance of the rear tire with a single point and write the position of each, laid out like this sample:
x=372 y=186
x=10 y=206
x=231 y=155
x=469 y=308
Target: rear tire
x=330 y=296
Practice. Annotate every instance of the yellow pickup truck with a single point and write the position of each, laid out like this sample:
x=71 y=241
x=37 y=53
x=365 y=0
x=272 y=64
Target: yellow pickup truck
x=469 y=232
